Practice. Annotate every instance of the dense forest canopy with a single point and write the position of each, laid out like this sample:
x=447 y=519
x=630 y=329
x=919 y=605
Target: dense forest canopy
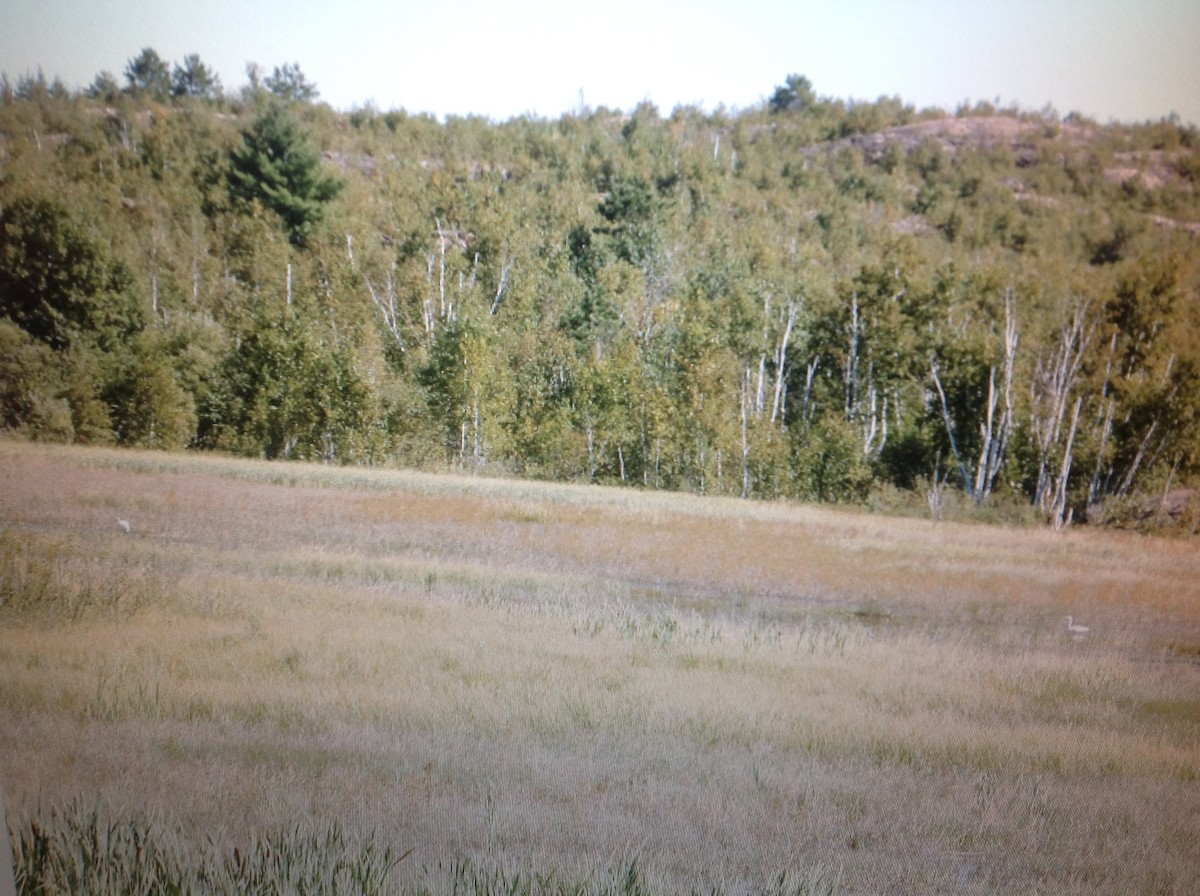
x=812 y=298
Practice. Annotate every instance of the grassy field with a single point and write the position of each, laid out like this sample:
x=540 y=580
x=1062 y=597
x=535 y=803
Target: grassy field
x=557 y=683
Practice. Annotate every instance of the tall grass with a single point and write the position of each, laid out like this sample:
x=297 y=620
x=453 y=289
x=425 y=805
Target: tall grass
x=536 y=687
x=78 y=851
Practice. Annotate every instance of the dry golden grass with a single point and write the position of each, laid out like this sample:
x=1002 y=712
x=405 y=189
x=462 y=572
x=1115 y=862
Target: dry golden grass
x=544 y=676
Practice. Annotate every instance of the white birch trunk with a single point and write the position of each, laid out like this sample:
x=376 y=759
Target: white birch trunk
x=781 y=362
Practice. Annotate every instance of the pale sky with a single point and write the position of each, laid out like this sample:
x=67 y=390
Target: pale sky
x=1125 y=60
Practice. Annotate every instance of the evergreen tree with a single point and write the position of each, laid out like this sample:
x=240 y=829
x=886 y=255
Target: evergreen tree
x=104 y=88
x=277 y=166
x=149 y=75
x=195 y=80
x=288 y=83
x=795 y=93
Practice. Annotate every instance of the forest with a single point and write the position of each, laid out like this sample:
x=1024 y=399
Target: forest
x=813 y=298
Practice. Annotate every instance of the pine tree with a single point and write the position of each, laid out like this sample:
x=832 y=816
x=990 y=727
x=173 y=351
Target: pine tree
x=288 y=83
x=195 y=79
x=277 y=166
x=149 y=75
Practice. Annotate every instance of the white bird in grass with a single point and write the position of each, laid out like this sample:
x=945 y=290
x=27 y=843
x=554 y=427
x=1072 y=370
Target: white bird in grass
x=124 y=526
x=1075 y=628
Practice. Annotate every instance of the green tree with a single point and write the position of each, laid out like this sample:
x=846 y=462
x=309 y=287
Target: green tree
x=537 y=390
x=591 y=317
x=149 y=75
x=288 y=83
x=31 y=386
x=631 y=215
x=795 y=93
x=56 y=281
x=290 y=389
x=104 y=87
x=149 y=407
x=50 y=395
x=1150 y=363
x=277 y=165
x=195 y=80
x=454 y=379
x=829 y=464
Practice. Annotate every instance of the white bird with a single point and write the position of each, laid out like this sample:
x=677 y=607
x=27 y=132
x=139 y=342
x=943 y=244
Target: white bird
x=1073 y=626
x=124 y=526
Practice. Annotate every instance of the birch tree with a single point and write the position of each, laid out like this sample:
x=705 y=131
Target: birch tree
x=979 y=474
x=1056 y=381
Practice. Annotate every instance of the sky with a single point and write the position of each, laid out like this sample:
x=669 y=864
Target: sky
x=1122 y=60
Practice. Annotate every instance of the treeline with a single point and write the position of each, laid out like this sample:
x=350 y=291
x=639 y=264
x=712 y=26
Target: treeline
x=813 y=298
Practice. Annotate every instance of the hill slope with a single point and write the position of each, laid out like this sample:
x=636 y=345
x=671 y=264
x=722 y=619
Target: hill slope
x=832 y=301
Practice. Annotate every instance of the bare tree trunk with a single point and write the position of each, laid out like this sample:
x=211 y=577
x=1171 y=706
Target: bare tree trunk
x=1051 y=389
x=875 y=425
x=1062 y=514
x=441 y=267
x=781 y=361
x=387 y=308
x=591 y=448
x=430 y=318
x=504 y=271
x=477 y=448
x=809 y=376
x=1127 y=482
x=988 y=437
x=937 y=490
x=996 y=438
x=871 y=424
x=851 y=365
x=745 y=436
x=759 y=400
x=1096 y=487
x=937 y=382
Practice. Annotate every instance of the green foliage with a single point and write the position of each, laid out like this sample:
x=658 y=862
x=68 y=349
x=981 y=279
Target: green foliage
x=80 y=850
x=149 y=407
x=829 y=464
x=148 y=75
x=77 y=850
x=104 y=87
x=795 y=93
x=56 y=280
x=31 y=387
x=48 y=395
x=277 y=166
x=289 y=83
x=745 y=303
x=195 y=80
x=630 y=211
x=290 y=389
x=592 y=317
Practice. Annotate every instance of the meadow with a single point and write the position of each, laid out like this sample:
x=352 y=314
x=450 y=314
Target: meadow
x=470 y=684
